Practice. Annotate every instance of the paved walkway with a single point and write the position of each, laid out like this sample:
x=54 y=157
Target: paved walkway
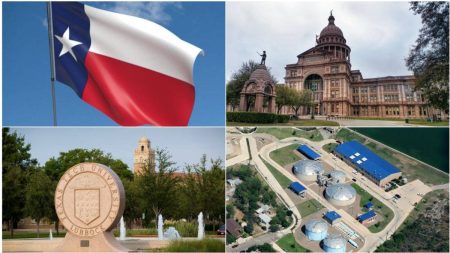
x=368 y=122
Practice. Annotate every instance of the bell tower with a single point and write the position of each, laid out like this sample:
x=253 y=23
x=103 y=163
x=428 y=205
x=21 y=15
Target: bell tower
x=144 y=156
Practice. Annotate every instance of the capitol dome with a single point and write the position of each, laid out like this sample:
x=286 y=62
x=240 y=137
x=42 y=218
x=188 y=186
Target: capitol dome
x=308 y=170
x=331 y=34
x=340 y=194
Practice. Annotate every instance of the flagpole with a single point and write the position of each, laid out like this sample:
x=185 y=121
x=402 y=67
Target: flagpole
x=52 y=58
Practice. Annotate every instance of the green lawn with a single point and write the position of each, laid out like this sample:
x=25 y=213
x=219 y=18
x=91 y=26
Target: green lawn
x=30 y=234
x=379 y=207
x=288 y=244
x=286 y=132
x=347 y=135
x=302 y=122
x=309 y=207
x=426 y=123
x=282 y=179
x=286 y=155
x=205 y=245
x=329 y=147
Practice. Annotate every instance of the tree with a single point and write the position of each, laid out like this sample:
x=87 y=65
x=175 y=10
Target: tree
x=428 y=58
x=14 y=182
x=299 y=99
x=238 y=79
x=39 y=196
x=285 y=95
x=15 y=152
x=16 y=161
x=133 y=207
x=158 y=189
x=56 y=167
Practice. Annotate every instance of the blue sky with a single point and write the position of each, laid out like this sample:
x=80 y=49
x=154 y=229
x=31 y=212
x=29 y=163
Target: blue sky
x=26 y=67
x=186 y=145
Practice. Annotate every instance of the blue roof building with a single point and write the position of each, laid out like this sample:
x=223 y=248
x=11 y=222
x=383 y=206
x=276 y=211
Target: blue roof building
x=297 y=187
x=368 y=205
x=370 y=164
x=308 y=152
x=332 y=217
x=366 y=216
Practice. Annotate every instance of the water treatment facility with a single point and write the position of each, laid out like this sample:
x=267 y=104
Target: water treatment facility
x=343 y=191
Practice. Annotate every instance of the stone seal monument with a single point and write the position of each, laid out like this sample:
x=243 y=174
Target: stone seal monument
x=89 y=201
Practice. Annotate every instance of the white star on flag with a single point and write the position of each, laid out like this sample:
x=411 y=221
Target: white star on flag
x=67 y=43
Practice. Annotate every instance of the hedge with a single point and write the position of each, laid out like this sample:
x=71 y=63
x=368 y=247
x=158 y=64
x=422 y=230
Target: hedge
x=256 y=117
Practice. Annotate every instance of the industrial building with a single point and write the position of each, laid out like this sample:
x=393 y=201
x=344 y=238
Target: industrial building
x=316 y=230
x=337 y=176
x=332 y=217
x=308 y=152
x=334 y=244
x=308 y=170
x=367 y=217
x=368 y=163
x=297 y=188
x=340 y=194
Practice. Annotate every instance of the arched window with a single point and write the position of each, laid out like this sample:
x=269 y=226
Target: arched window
x=142 y=148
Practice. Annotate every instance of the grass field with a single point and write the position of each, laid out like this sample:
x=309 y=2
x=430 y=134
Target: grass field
x=379 y=207
x=286 y=132
x=282 y=179
x=309 y=207
x=347 y=135
x=286 y=155
x=426 y=123
x=329 y=147
x=288 y=244
x=302 y=122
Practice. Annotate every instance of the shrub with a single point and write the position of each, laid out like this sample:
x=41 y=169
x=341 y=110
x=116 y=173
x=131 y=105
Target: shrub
x=256 y=117
x=283 y=119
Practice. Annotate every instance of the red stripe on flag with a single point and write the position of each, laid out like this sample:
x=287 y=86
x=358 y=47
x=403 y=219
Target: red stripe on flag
x=132 y=96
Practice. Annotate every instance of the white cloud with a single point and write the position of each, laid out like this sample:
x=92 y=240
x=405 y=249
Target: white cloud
x=378 y=33
x=155 y=11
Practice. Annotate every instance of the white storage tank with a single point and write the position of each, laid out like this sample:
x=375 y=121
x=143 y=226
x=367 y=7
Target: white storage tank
x=316 y=230
x=337 y=176
x=308 y=170
x=340 y=194
x=334 y=244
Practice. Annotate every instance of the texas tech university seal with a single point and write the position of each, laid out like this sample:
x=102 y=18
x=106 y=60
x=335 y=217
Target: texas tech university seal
x=89 y=201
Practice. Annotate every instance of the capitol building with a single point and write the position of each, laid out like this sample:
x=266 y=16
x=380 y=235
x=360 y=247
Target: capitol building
x=341 y=91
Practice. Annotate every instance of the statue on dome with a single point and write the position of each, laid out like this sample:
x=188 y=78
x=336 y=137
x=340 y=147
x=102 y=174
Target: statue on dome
x=263 y=57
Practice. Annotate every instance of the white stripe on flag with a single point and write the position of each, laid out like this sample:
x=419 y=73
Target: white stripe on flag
x=141 y=42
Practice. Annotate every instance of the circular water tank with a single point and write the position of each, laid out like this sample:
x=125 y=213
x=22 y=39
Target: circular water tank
x=308 y=170
x=337 y=176
x=316 y=230
x=340 y=194
x=334 y=244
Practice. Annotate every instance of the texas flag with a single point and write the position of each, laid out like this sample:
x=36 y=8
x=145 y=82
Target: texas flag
x=131 y=69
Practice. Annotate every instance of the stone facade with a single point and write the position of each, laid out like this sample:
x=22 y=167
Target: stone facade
x=258 y=93
x=143 y=155
x=341 y=91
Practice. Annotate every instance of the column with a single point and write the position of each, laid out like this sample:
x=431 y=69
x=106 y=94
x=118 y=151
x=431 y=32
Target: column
x=259 y=101
x=243 y=103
